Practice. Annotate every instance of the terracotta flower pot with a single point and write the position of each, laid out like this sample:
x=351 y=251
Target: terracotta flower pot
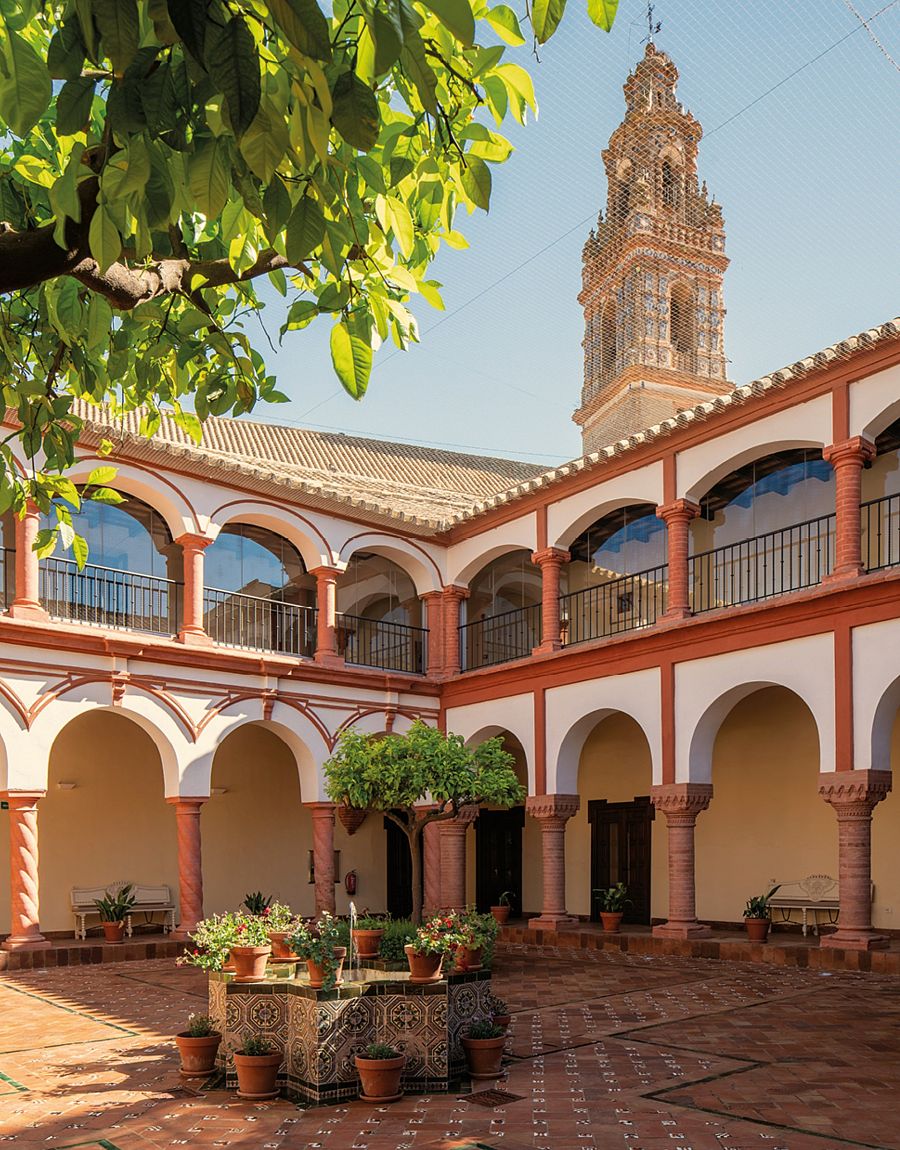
x=501 y=914
x=423 y=967
x=612 y=920
x=379 y=1078
x=114 y=931
x=198 y=1055
x=257 y=1075
x=757 y=929
x=280 y=948
x=317 y=969
x=250 y=962
x=483 y=1056
x=368 y=943
x=501 y=1020
x=469 y=958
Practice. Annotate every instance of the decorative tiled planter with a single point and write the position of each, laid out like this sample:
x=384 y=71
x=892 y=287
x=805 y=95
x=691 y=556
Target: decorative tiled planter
x=322 y=1031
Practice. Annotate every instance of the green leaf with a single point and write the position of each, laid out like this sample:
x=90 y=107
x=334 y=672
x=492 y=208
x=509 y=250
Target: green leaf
x=456 y=15
x=65 y=53
x=476 y=181
x=387 y=31
x=401 y=224
x=352 y=359
x=414 y=61
x=25 y=89
x=105 y=495
x=73 y=106
x=545 y=18
x=277 y=207
x=190 y=19
x=100 y=476
x=80 y=550
x=104 y=239
x=98 y=325
x=506 y=24
x=45 y=542
x=304 y=25
x=119 y=27
x=305 y=230
x=355 y=111
x=208 y=178
x=264 y=144
x=233 y=65
x=603 y=13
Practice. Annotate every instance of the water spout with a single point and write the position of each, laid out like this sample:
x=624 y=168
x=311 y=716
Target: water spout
x=354 y=951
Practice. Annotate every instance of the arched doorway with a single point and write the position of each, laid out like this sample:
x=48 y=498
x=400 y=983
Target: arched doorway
x=503 y=612
x=886 y=845
x=499 y=834
x=766 y=820
x=104 y=818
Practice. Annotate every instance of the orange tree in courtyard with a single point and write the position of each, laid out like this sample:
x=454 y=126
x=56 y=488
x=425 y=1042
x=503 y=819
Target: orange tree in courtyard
x=421 y=777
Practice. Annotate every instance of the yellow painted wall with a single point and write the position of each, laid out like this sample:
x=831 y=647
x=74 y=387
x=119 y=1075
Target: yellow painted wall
x=886 y=848
x=766 y=820
x=114 y=825
x=615 y=765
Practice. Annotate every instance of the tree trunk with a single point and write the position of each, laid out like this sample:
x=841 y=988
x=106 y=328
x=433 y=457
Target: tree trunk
x=414 y=834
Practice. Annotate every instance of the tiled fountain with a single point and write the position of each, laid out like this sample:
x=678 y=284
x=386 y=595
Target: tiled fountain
x=320 y=1031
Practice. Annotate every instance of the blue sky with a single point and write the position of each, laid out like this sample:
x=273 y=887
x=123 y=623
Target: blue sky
x=806 y=167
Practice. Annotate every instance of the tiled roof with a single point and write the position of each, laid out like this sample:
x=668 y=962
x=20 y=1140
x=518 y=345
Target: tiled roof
x=425 y=489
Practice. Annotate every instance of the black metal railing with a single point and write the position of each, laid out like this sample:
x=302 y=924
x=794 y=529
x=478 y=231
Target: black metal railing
x=7 y=576
x=105 y=597
x=624 y=604
x=880 y=527
x=257 y=624
x=382 y=643
x=500 y=638
x=771 y=564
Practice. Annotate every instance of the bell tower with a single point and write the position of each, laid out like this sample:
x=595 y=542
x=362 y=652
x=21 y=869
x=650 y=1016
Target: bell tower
x=651 y=270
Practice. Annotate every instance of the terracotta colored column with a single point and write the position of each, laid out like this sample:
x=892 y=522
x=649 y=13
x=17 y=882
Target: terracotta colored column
x=431 y=857
x=323 y=854
x=848 y=459
x=326 y=602
x=681 y=803
x=27 y=601
x=192 y=630
x=550 y=561
x=453 y=858
x=854 y=795
x=190 y=862
x=677 y=517
x=453 y=596
x=434 y=619
x=553 y=812
x=25 y=929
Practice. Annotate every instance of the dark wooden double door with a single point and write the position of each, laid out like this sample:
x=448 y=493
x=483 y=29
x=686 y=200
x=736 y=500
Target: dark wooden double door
x=620 y=852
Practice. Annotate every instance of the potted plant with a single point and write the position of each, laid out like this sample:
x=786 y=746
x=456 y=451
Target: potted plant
x=213 y=939
x=758 y=916
x=280 y=920
x=251 y=948
x=317 y=943
x=257 y=1068
x=612 y=901
x=484 y=1049
x=113 y=909
x=477 y=934
x=501 y=911
x=256 y=902
x=432 y=941
x=500 y=1015
x=198 y=1046
x=380 y=1067
x=367 y=935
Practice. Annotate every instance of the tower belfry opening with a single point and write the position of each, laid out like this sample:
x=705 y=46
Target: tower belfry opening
x=652 y=269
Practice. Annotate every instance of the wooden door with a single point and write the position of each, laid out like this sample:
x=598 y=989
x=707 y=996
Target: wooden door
x=620 y=852
x=399 y=872
x=498 y=858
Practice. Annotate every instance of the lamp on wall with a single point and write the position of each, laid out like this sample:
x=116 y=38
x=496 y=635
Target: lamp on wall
x=66 y=786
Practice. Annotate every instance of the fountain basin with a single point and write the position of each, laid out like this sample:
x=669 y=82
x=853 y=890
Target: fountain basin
x=321 y=1031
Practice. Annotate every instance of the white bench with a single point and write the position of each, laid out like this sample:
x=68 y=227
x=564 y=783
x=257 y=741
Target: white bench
x=149 y=900
x=810 y=895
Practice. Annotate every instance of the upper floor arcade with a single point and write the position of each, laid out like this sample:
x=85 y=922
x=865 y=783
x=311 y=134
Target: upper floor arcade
x=787 y=485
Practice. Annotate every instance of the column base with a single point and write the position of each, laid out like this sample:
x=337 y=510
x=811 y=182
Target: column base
x=195 y=639
x=181 y=934
x=28 y=943
x=682 y=930
x=27 y=610
x=844 y=574
x=547 y=648
x=854 y=940
x=329 y=659
x=677 y=613
x=553 y=922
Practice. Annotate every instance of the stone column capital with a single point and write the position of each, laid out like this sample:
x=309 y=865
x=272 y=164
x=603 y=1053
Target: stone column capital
x=854 y=792
x=552 y=808
x=430 y=596
x=679 y=510
x=23 y=800
x=322 y=809
x=462 y=820
x=855 y=451
x=187 y=801
x=325 y=572
x=681 y=799
x=193 y=541
x=550 y=556
x=452 y=591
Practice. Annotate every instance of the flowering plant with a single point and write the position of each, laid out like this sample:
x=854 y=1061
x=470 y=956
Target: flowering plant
x=213 y=938
x=315 y=941
x=251 y=930
x=278 y=916
x=477 y=930
x=440 y=935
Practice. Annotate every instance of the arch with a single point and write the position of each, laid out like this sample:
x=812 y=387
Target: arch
x=475 y=566
x=308 y=540
x=608 y=339
x=150 y=487
x=569 y=754
x=414 y=560
x=882 y=728
x=669 y=180
x=513 y=714
x=882 y=421
x=682 y=318
x=752 y=454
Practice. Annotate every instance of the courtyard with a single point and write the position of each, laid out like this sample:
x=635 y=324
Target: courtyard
x=606 y=1049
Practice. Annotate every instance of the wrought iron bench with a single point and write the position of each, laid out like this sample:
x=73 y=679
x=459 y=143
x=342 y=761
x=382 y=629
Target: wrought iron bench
x=810 y=895
x=149 y=900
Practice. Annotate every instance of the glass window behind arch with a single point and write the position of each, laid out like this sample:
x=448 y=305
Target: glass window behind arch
x=251 y=560
x=127 y=536
x=374 y=587
x=625 y=542
x=506 y=584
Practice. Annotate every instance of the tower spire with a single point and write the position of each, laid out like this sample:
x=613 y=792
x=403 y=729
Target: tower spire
x=653 y=27
x=652 y=269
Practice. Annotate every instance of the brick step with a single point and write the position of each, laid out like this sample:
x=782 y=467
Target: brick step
x=69 y=952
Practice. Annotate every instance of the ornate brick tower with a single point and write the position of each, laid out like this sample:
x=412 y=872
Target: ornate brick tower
x=652 y=270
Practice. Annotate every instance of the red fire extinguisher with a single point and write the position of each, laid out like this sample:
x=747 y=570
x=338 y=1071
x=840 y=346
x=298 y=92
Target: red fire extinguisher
x=350 y=882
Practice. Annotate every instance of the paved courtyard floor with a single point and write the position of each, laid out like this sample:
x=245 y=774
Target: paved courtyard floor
x=607 y=1050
